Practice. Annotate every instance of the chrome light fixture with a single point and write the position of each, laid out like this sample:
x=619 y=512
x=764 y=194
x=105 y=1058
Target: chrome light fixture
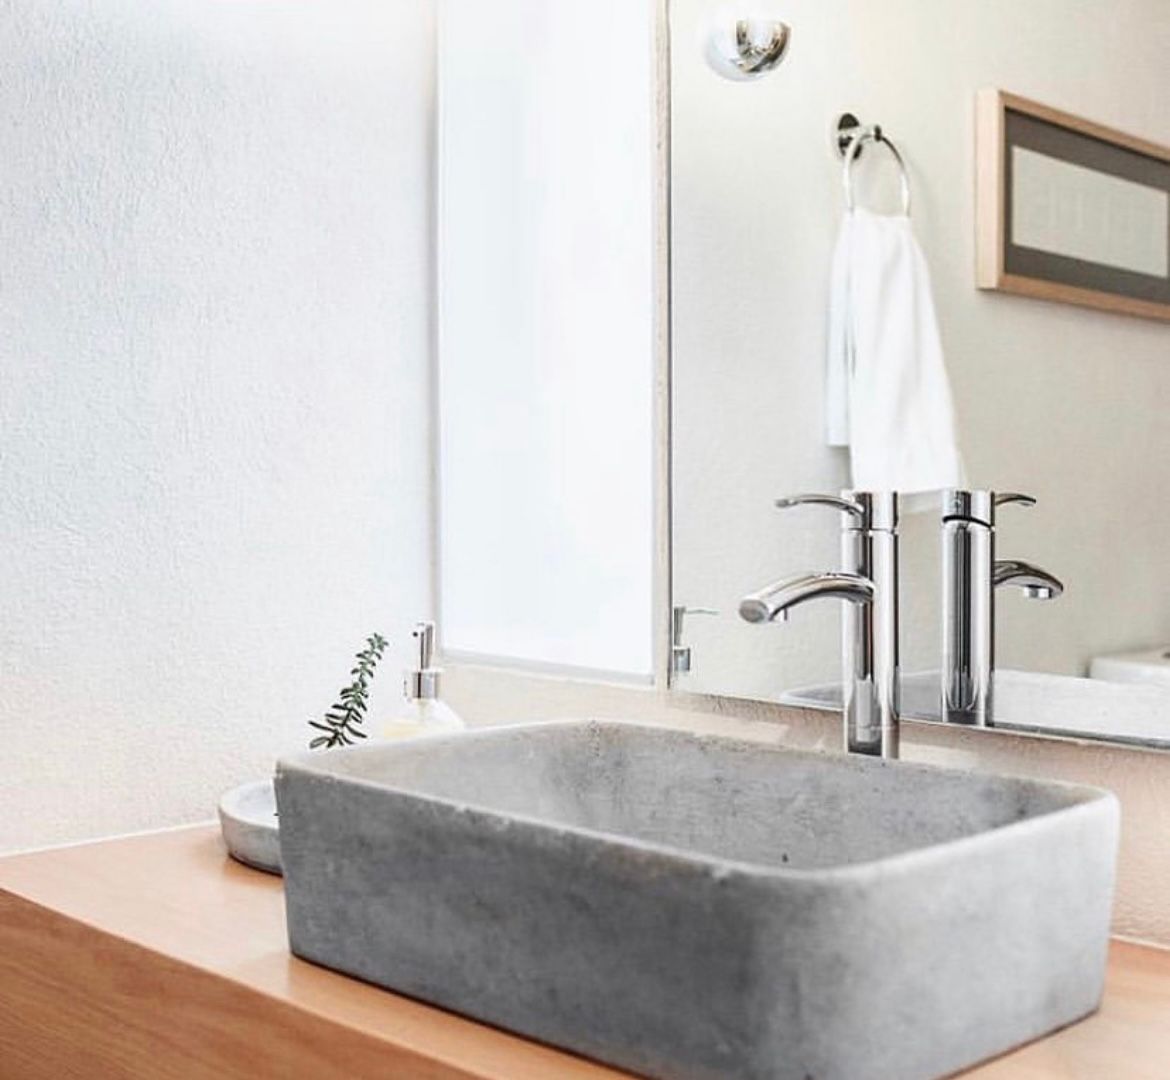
x=746 y=48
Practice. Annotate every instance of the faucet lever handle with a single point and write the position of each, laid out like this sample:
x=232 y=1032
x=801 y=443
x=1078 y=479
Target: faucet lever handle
x=869 y=510
x=1002 y=498
x=837 y=502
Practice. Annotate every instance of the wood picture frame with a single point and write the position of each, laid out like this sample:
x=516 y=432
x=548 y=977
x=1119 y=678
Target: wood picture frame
x=1070 y=210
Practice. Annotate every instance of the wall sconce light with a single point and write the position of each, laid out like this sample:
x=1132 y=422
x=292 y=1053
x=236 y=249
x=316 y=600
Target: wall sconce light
x=746 y=48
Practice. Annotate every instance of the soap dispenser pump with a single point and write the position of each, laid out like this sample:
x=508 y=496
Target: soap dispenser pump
x=424 y=713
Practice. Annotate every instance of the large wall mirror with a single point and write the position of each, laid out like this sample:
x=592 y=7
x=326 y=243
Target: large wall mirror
x=1065 y=403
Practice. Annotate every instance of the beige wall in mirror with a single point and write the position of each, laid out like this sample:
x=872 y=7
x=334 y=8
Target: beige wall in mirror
x=1064 y=403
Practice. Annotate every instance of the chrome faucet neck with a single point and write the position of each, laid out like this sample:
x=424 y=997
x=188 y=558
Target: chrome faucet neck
x=878 y=510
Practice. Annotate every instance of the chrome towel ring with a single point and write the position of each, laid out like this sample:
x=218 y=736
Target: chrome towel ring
x=851 y=139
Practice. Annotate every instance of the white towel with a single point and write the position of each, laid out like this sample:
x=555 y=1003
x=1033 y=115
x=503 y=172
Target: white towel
x=887 y=393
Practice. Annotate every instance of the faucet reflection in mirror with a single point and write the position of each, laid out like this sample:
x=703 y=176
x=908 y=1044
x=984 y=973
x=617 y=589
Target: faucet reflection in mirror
x=868 y=582
x=970 y=575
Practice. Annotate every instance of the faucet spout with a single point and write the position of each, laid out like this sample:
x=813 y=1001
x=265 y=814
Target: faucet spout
x=776 y=600
x=1036 y=583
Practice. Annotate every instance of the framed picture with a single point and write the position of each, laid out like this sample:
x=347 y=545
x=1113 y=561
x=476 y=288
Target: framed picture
x=1070 y=210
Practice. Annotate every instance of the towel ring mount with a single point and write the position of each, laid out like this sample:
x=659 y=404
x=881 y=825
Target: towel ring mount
x=851 y=137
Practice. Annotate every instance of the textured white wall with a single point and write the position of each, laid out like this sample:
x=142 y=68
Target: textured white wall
x=214 y=435
x=1063 y=402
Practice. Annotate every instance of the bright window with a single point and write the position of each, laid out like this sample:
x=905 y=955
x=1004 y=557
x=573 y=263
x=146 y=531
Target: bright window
x=546 y=178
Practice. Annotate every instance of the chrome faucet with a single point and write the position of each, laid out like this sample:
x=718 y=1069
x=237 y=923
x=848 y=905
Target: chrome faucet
x=970 y=575
x=868 y=582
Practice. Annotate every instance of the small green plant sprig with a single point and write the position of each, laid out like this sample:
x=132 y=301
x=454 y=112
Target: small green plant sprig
x=342 y=722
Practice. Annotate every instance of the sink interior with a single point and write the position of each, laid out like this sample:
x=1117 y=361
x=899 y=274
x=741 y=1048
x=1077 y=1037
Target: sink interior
x=722 y=798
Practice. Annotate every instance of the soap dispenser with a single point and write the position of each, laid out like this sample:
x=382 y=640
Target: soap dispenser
x=423 y=713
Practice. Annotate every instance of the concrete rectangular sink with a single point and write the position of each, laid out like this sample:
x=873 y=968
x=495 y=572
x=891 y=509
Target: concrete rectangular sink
x=699 y=908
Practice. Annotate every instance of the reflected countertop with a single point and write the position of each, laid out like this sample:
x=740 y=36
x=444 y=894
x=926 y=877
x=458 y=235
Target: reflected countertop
x=1034 y=703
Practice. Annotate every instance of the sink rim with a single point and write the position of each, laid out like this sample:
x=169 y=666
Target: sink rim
x=1087 y=800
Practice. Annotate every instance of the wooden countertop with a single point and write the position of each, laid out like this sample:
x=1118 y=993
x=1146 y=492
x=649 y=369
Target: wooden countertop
x=158 y=957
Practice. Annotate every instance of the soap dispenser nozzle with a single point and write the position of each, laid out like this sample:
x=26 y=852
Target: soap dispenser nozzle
x=422 y=681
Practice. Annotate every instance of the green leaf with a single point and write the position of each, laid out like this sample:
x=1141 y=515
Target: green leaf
x=350 y=708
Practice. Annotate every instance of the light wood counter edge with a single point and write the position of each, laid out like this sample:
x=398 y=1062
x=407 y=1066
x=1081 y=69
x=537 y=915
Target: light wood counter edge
x=157 y=956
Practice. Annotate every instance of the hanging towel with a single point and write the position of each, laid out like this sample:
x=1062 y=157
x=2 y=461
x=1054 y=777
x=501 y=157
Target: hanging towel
x=887 y=392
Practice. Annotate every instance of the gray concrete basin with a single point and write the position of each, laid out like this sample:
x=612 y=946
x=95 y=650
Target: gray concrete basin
x=699 y=908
